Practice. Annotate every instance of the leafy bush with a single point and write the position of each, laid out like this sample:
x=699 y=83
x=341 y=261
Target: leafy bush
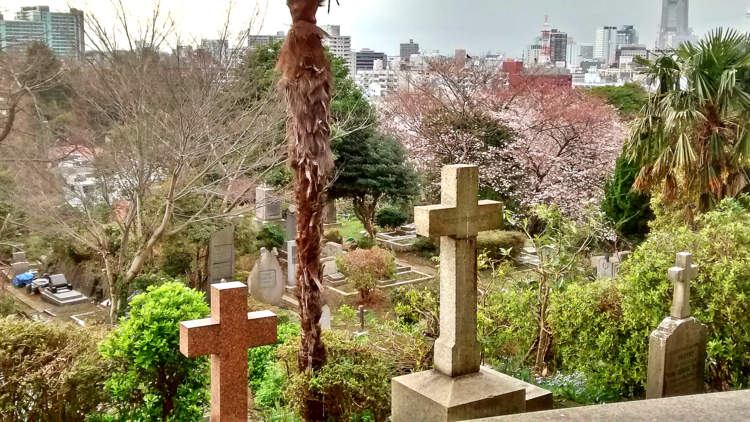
x=272 y=236
x=279 y=177
x=426 y=245
x=333 y=236
x=355 y=383
x=418 y=308
x=261 y=359
x=494 y=242
x=49 y=372
x=390 y=218
x=603 y=328
x=629 y=211
x=365 y=267
x=151 y=379
x=8 y=305
x=364 y=241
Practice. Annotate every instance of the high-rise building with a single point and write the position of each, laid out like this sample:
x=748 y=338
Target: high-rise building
x=408 y=49
x=558 y=43
x=533 y=51
x=340 y=46
x=366 y=59
x=674 y=23
x=606 y=44
x=627 y=34
x=62 y=32
x=256 y=40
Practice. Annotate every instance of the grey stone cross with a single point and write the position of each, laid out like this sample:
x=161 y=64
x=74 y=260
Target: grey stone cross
x=681 y=274
x=457 y=221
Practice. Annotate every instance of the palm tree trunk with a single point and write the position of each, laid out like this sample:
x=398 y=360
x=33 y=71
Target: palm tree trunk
x=307 y=81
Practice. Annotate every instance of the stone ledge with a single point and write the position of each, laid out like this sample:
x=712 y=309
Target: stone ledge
x=733 y=406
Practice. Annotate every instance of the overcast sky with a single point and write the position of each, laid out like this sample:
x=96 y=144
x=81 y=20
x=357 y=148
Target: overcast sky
x=479 y=26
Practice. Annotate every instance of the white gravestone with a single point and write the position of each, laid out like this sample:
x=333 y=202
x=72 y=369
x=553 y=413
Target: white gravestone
x=19 y=256
x=291 y=223
x=267 y=205
x=325 y=317
x=266 y=280
x=220 y=258
x=291 y=255
x=677 y=348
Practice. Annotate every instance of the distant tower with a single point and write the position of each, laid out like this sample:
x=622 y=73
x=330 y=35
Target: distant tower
x=674 y=22
x=545 y=54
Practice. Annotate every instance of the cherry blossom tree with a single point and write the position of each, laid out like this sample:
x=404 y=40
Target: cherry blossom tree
x=534 y=143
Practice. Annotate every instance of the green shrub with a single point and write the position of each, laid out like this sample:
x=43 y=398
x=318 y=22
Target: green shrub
x=176 y=260
x=494 y=242
x=390 y=218
x=279 y=177
x=261 y=359
x=629 y=211
x=355 y=382
x=426 y=245
x=603 y=328
x=418 y=308
x=149 y=374
x=272 y=236
x=333 y=236
x=364 y=241
x=365 y=267
x=8 y=305
x=49 y=372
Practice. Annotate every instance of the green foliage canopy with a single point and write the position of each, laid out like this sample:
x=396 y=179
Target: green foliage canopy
x=628 y=210
x=151 y=379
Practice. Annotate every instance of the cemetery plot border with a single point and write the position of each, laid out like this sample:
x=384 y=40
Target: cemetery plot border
x=418 y=277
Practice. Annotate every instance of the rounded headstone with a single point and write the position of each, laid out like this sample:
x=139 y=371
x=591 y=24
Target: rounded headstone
x=266 y=280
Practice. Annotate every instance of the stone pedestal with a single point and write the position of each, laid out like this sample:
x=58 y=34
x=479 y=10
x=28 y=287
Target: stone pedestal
x=267 y=207
x=431 y=396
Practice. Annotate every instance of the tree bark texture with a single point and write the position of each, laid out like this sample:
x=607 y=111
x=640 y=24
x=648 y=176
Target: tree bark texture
x=307 y=81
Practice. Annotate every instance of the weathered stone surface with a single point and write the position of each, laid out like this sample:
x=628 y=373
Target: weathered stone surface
x=717 y=407
x=63 y=297
x=291 y=223
x=226 y=336
x=677 y=358
x=677 y=348
x=19 y=257
x=431 y=396
x=266 y=279
x=458 y=388
x=332 y=249
x=220 y=258
x=537 y=398
x=329 y=213
x=19 y=268
x=291 y=256
x=267 y=205
x=682 y=274
x=325 y=317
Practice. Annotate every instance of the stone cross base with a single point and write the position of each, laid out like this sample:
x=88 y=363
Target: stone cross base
x=260 y=223
x=431 y=396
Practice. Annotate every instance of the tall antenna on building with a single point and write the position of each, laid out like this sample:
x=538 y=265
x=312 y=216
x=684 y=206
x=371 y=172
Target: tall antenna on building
x=545 y=55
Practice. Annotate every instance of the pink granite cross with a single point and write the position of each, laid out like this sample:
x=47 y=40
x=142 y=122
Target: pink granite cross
x=226 y=336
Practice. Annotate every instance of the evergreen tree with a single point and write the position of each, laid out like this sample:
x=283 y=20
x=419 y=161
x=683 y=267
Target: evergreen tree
x=630 y=211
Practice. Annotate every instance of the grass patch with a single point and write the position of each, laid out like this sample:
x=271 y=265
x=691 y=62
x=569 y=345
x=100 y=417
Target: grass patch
x=350 y=228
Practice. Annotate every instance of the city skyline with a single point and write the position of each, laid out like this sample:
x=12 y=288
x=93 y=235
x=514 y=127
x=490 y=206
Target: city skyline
x=474 y=25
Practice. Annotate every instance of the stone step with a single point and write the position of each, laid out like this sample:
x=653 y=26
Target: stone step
x=289 y=302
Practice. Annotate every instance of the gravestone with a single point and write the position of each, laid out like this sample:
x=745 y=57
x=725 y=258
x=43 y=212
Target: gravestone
x=458 y=388
x=266 y=280
x=18 y=268
x=608 y=266
x=226 y=336
x=267 y=206
x=332 y=249
x=677 y=348
x=220 y=258
x=329 y=215
x=291 y=223
x=60 y=293
x=291 y=256
x=19 y=257
x=325 y=317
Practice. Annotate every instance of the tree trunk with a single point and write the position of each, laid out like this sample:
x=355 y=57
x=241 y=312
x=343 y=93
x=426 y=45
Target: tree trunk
x=307 y=81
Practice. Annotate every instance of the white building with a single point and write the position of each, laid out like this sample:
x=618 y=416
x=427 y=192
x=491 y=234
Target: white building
x=340 y=46
x=378 y=82
x=605 y=47
x=62 y=32
x=533 y=52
